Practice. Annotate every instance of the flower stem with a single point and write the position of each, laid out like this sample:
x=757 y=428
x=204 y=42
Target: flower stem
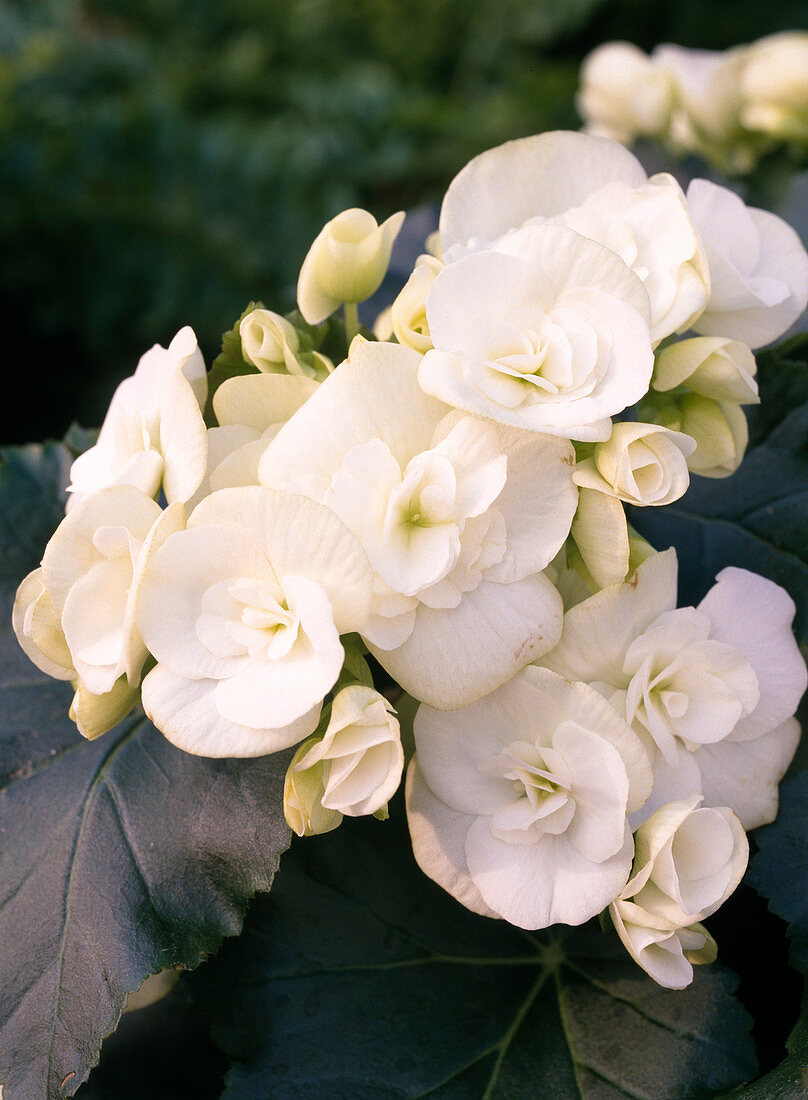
x=351 y=321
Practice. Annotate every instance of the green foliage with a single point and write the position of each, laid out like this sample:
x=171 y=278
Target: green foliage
x=757 y=518
x=359 y=979
x=120 y=857
x=161 y=161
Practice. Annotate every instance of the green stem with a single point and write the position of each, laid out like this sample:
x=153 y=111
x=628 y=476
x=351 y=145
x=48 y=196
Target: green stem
x=351 y=321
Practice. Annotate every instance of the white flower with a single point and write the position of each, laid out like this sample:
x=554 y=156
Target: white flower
x=408 y=312
x=597 y=188
x=758 y=267
x=346 y=263
x=458 y=517
x=774 y=86
x=641 y=464
x=712 y=366
x=272 y=344
x=711 y=690
x=687 y=862
x=354 y=769
x=517 y=804
x=553 y=337
x=707 y=99
x=153 y=434
x=243 y=612
x=624 y=93
x=39 y=628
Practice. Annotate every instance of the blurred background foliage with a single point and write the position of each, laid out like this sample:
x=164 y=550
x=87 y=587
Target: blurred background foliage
x=162 y=162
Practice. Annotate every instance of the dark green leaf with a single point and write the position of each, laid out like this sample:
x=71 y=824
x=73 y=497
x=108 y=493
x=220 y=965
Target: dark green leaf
x=789 y=1080
x=359 y=979
x=118 y=857
x=758 y=518
x=779 y=870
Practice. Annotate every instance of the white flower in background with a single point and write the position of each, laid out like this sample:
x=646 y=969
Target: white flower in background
x=707 y=99
x=251 y=409
x=153 y=435
x=354 y=769
x=243 y=612
x=687 y=862
x=712 y=366
x=600 y=190
x=774 y=86
x=408 y=311
x=624 y=93
x=458 y=517
x=553 y=338
x=272 y=344
x=517 y=804
x=711 y=690
x=346 y=263
x=758 y=267
x=640 y=464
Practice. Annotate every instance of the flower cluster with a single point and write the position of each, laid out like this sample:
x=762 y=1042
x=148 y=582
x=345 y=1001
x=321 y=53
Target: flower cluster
x=728 y=107
x=449 y=501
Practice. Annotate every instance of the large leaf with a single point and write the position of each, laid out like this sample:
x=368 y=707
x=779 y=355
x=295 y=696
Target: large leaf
x=118 y=857
x=359 y=979
x=758 y=518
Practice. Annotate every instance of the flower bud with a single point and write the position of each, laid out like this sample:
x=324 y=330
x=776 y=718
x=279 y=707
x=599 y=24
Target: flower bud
x=354 y=769
x=272 y=344
x=624 y=93
x=302 y=794
x=408 y=311
x=687 y=861
x=665 y=951
x=774 y=86
x=346 y=263
x=711 y=366
x=96 y=714
x=641 y=464
x=719 y=429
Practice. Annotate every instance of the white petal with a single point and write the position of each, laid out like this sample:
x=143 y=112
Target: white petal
x=455 y=655
x=185 y=712
x=438 y=842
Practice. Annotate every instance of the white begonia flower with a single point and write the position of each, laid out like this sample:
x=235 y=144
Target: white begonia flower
x=408 y=311
x=92 y=573
x=346 y=263
x=758 y=267
x=552 y=340
x=458 y=517
x=687 y=862
x=272 y=344
x=641 y=464
x=517 y=804
x=707 y=100
x=153 y=434
x=354 y=769
x=597 y=188
x=712 y=366
x=665 y=950
x=243 y=612
x=774 y=86
x=624 y=93
x=711 y=690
